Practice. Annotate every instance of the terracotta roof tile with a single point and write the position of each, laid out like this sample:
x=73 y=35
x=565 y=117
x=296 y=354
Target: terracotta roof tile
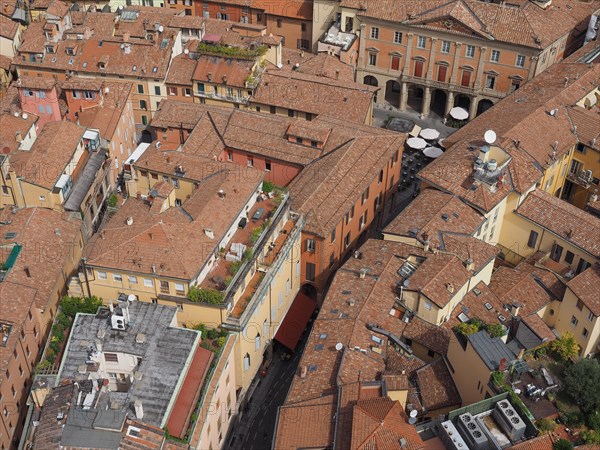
x=585 y=286
x=543 y=442
x=480 y=303
x=321 y=64
x=181 y=70
x=8 y=28
x=562 y=219
x=536 y=324
x=229 y=71
x=437 y=386
x=10 y=126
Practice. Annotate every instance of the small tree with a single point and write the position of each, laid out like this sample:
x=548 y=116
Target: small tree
x=205 y=295
x=566 y=347
x=495 y=329
x=591 y=437
x=546 y=425
x=563 y=444
x=581 y=383
x=466 y=328
x=70 y=306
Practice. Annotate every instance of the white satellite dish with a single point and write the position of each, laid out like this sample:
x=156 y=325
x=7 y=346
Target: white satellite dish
x=490 y=136
x=412 y=420
x=106 y=90
x=131 y=298
x=339 y=346
x=186 y=51
x=161 y=29
x=413 y=413
x=24 y=116
x=16 y=114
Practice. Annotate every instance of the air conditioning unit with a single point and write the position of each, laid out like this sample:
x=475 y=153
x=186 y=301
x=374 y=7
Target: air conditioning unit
x=472 y=432
x=117 y=322
x=451 y=437
x=509 y=420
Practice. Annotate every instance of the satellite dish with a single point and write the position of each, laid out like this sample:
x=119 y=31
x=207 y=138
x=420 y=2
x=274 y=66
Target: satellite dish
x=106 y=90
x=131 y=298
x=186 y=51
x=490 y=136
x=339 y=346
x=413 y=413
x=24 y=116
x=412 y=420
x=16 y=114
x=161 y=29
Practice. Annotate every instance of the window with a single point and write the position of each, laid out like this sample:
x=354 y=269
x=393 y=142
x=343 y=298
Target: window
x=374 y=33
x=310 y=245
x=279 y=23
x=250 y=161
x=583 y=264
x=267 y=165
x=395 y=63
x=111 y=357
x=347 y=240
x=188 y=92
x=580 y=148
x=533 y=235
x=333 y=235
x=40 y=94
x=520 y=61
x=246 y=362
x=585 y=333
x=172 y=90
x=590 y=318
x=303 y=26
x=257 y=342
x=310 y=271
x=148 y=282
x=514 y=85
x=290 y=113
x=470 y=51
x=164 y=287
x=132 y=279
x=445 y=46
x=579 y=305
x=140 y=88
x=569 y=256
x=372 y=59
x=495 y=56
x=421 y=41
x=229 y=156
x=556 y=252
x=143 y=105
x=364 y=197
x=117 y=277
x=574 y=321
x=363 y=220
x=179 y=288
x=101 y=275
x=490 y=81
x=397 y=37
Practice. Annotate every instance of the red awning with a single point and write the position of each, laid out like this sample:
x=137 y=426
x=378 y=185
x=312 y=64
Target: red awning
x=189 y=393
x=295 y=321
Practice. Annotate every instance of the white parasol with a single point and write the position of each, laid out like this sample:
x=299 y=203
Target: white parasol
x=459 y=113
x=417 y=143
x=430 y=134
x=433 y=152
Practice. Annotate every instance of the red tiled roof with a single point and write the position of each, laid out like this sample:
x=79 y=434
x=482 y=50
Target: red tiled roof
x=189 y=393
x=586 y=287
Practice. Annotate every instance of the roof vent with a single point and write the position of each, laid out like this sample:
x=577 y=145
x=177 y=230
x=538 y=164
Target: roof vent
x=140 y=338
x=209 y=233
x=450 y=287
x=221 y=193
x=445 y=217
x=129 y=221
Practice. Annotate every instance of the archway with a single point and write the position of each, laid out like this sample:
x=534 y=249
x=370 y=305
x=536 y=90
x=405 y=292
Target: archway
x=438 y=102
x=309 y=290
x=392 y=93
x=146 y=136
x=484 y=105
x=415 y=97
x=371 y=81
x=463 y=101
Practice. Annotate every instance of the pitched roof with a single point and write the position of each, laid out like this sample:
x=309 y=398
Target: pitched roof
x=295 y=9
x=10 y=126
x=585 y=287
x=219 y=70
x=437 y=387
x=527 y=25
x=433 y=212
x=491 y=350
x=8 y=28
x=542 y=442
x=315 y=94
x=181 y=70
x=51 y=152
x=321 y=64
x=562 y=219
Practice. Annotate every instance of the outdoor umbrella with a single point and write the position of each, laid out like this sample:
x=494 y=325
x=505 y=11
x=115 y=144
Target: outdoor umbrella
x=430 y=134
x=459 y=113
x=433 y=152
x=417 y=143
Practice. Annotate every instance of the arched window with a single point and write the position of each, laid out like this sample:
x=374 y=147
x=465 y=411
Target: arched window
x=246 y=362
x=257 y=342
x=266 y=327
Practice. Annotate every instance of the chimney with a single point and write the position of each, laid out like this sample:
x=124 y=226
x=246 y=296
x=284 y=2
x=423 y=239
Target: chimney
x=363 y=273
x=224 y=78
x=27 y=271
x=426 y=245
x=337 y=74
x=209 y=76
x=521 y=353
x=139 y=409
x=303 y=371
x=18 y=137
x=153 y=268
x=450 y=287
x=470 y=265
x=209 y=233
x=516 y=308
x=102 y=234
x=150 y=236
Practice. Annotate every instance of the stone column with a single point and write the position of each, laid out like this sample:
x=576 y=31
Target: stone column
x=449 y=103
x=407 y=57
x=457 y=48
x=532 y=67
x=361 y=48
x=477 y=83
x=403 y=96
x=473 y=107
x=426 y=101
x=431 y=59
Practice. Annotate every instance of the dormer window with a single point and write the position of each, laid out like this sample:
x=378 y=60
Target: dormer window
x=70 y=51
x=134 y=69
x=154 y=69
x=50 y=49
x=80 y=37
x=101 y=66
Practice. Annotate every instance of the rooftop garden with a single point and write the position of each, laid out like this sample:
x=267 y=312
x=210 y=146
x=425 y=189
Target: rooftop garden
x=475 y=325
x=69 y=307
x=233 y=52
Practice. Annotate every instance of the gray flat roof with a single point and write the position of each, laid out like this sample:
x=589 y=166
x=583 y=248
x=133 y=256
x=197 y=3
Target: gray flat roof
x=491 y=350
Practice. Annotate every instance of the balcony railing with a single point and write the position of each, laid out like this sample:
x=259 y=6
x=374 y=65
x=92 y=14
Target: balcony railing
x=469 y=90
x=227 y=98
x=581 y=177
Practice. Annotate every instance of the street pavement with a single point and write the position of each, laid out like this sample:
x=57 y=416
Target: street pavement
x=381 y=113
x=257 y=426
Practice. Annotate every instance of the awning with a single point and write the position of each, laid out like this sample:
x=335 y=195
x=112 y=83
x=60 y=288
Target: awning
x=294 y=323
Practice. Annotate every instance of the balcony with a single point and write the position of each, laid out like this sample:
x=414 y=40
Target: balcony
x=225 y=98
x=434 y=84
x=582 y=178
